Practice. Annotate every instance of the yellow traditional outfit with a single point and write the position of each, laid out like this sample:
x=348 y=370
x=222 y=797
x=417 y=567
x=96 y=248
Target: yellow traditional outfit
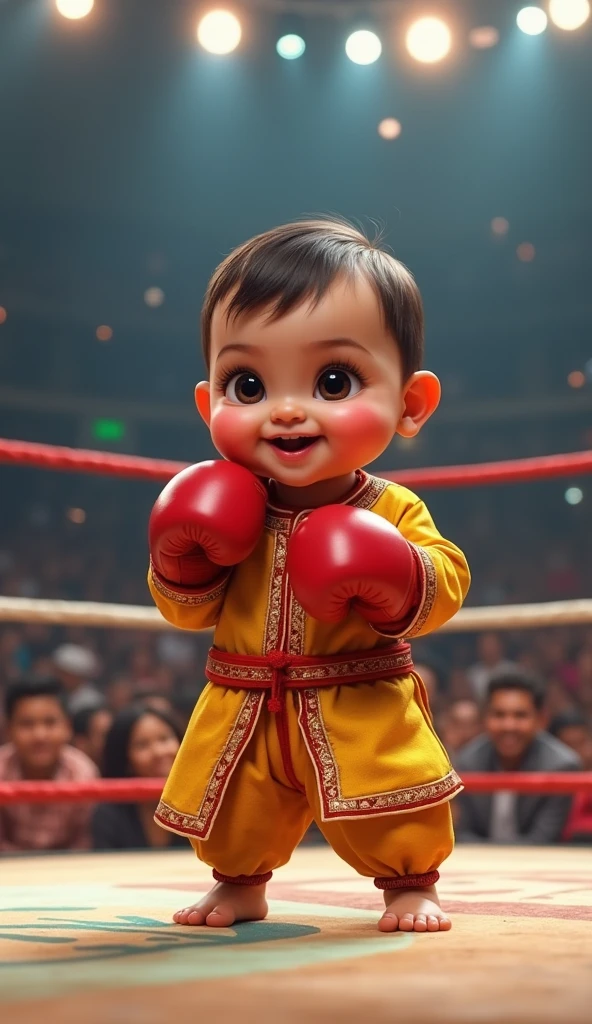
x=305 y=720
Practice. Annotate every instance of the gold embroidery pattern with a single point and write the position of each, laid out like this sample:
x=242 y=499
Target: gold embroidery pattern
x=334 y=804
x=200 y=824
x=297 y=626
x=279 y=524
x=430 y=585
x=371 y=491
x=274 y=602
x=203 y=597
x=381 y=666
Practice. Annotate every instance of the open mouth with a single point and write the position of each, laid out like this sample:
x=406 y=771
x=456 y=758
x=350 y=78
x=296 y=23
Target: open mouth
x=293 y=444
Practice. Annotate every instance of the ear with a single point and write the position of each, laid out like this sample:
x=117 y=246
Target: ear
x=421 y=397
x=202 y=401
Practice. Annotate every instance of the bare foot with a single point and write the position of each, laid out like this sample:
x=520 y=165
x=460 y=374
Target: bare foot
x=224 y=905
x=413 y=910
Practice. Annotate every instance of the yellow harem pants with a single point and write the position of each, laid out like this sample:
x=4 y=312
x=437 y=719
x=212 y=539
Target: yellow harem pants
x=263 y=817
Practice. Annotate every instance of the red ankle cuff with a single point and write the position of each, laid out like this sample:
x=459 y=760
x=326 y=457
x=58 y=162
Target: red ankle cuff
x=243 y=879
x=408 y=881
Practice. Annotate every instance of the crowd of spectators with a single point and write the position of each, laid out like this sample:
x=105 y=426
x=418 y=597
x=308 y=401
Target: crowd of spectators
x=110 y=686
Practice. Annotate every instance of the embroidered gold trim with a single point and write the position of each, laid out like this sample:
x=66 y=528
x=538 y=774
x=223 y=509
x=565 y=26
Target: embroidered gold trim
x=202 y=597
x=275 y=594
x=200 y=824
x=430 y=587
x=382 y=665
x=371 y=490
x=334 y=804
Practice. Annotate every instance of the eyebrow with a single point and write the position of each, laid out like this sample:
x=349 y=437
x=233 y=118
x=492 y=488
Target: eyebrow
x=324 y=343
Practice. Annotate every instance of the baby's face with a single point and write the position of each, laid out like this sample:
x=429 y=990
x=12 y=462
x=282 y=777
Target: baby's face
x=308 y=397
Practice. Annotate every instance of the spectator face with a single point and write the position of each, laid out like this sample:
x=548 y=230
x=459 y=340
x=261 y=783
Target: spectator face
x=152 y=748
x=512 y=721
x=461 y=725
x=579 y=738
x=93 y=744
x=39 y=729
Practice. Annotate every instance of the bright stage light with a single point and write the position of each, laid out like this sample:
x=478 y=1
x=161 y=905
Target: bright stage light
x=428 y=40
x=154 y=297
x=574 y=495
x=74 y=9
x=576 y=379
x=526 y=252
x=290 y=47
x=531 y=20
x=389 y=128
x=219 y=32
x=569 y=14
x=363 y=47
x=500 y=226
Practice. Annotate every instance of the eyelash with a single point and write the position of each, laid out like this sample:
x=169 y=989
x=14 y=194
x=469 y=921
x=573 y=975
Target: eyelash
x=226 y=376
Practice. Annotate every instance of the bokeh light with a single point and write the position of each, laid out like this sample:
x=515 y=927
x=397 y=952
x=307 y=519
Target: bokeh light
x=574 y=495
x=389 y=128
x=531 y=20
x=526 y=252
x=290 y=47
x=483 y=37
x=76 y=515
x=569 y=14
x=154 y=297
x=363 y=47
x=74 y=9
x=219 y=32
x=428 y=40
x=500 y=226
x=576 y=379
x=104 y=333
x=3 y=315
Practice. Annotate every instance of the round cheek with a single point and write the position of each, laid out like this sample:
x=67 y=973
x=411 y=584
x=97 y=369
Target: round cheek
x=363 y=427
x=235 y=431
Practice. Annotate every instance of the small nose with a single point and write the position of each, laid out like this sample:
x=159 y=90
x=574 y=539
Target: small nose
x=287 y=411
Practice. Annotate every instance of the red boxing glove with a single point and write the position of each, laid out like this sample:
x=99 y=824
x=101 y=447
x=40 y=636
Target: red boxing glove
x=209 y=515
x=341 y=558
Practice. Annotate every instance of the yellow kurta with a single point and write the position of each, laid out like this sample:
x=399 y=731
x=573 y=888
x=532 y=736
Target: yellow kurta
x=362 y=751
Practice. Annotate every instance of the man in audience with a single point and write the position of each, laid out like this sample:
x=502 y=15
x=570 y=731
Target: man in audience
x=90 y=727
x=39 y=732
x=460 y=724
x=514 y=741
x=74 y=667
x=491 y=658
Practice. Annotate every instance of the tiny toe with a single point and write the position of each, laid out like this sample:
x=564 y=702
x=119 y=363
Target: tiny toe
x=445 y=924
x=433 y=923
x=406 y=923
x=194 y=917
x=388 y=923
x=420 y=924
x=220 y=917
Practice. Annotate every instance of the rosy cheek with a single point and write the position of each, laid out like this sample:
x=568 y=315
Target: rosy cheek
x=234 y=431
x=363 y=422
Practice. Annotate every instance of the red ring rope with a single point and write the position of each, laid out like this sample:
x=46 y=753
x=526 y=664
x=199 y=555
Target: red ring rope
x=138 y=790
x=73 y=460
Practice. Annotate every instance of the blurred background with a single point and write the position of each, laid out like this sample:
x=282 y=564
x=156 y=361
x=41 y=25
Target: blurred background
x=133 y=158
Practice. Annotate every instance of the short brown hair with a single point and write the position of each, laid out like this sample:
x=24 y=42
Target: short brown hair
x=290 y=263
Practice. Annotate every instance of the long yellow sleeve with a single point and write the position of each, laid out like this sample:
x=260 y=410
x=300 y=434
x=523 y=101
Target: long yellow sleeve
x=194 y=609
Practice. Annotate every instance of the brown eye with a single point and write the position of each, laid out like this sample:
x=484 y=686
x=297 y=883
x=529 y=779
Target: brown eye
x=334 y=385
x=245 y=389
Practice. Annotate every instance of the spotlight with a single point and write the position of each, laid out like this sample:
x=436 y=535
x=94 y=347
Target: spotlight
x=531 y=20
x=500 y=226
x=219 y=32
x=569 y=14
x=428 y=40
x=574 y=495
x=483 y=37
x=154 y=297
x=363 y=47
x=104 y=333
x=576 y=379
x=74 y=9
x=389 y=128
x=526 y=252
x=290 y=47
x=76 y=515
x=3 y=315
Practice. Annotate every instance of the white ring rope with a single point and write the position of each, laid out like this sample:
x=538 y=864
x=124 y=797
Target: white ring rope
x=121 y=616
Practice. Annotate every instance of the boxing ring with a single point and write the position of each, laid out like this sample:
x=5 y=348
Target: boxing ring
x=89 y=936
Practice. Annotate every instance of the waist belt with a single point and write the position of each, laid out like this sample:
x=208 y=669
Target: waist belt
x=277 y=671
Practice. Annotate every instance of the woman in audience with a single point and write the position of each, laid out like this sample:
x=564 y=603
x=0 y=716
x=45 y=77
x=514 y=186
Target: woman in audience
x=142 y=743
